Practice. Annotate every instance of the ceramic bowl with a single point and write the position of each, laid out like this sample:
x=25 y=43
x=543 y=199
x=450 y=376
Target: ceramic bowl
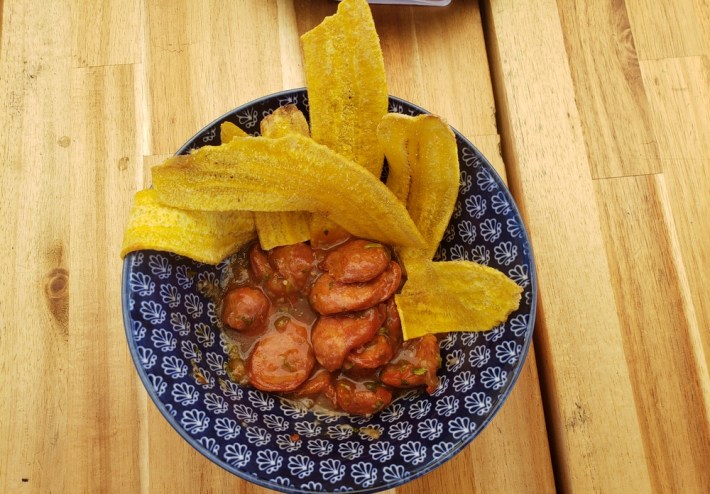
x=180 y=354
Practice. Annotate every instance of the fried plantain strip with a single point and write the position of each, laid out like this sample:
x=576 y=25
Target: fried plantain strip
x=287 y=119
x=440 y=297
x=204 y=236
x=291 y=173
x=228 y=130
x=347 y=87
x=428 y=145
x=285 y=227
x=394 y=134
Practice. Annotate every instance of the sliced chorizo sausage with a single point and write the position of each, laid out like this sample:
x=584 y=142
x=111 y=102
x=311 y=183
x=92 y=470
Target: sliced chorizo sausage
x=293 y=263
x=284 y=271
x=334 y=337
x=357 y=261
x=321 y=383
x=361 y=399
x=383 y=346
x=261 y=270
x=245 y=308
x=331 y=297
x=283 y=359
x=415 y=365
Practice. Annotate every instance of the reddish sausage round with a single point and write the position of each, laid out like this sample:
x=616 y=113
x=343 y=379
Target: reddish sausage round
x=283 y=359
x=330 y=297
x=293 y=263
x=383 y=346
x=320 y=383
x=362 y=399
x=261 y=270
x=415 y=365
x=245 y=308
x=334 y=337
x=357 y=261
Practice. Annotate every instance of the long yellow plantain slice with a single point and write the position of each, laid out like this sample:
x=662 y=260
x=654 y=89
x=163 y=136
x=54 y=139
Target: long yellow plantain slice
x=428 y=145
x=285 y=227
x=394 y=135
x=227 y=131
x=347 y=87
x=291 y=173
x=440 y=297
x=205 y=236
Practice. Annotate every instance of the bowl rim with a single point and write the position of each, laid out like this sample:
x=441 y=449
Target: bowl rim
x=458 y=446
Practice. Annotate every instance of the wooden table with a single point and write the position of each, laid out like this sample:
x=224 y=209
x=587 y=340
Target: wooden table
x=597 y=112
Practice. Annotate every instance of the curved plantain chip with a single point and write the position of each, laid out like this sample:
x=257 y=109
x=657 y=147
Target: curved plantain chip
x=287 y=119
x=285 y=227
x=291 y=173
x=204 y=236
x=282 y=228
x=440 y=297
x=430 y=149
x=228 y=130
x=347 y=87
x=394 y=134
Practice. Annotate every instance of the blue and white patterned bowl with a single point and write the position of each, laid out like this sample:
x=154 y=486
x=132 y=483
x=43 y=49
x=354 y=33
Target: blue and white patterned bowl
x=173 y=337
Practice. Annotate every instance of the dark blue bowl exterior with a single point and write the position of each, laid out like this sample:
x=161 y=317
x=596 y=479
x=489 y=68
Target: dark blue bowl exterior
x=180 y=355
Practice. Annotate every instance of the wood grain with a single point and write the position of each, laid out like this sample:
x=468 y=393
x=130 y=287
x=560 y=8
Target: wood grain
x=659 y=332
x=95 y=93
x=35 y=137
x=204 y=59
x=595 y=428
x=670 y=29
x=609 y=88
x=107 y=32
x=103 y=412
x=679 y=95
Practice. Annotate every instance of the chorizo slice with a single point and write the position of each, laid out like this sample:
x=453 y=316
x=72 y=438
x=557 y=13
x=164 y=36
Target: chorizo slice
x=334 y=337
x=285 y=271
x=261 y=270
x=331 y=297
x=415 y=365
x=283 y=359
x=361 y=399
x=382 y=348
x=357 y=261
x=245 y=308
x=321 y=383
x=293 y=263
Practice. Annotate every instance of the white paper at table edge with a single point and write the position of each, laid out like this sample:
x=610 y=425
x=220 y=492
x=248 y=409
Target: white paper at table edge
x=430 y=3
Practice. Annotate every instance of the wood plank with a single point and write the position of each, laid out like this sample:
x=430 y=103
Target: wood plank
x=107 y=32
x=461 y=92
x=35 y=138
x=103 y=408
x=594 y=425
x=400 y=48
x=412 y=41
x=292 y=73
x=659 y=332
x=670 y=29
x=205 y=59
x=679 y=95
x=612 y=103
